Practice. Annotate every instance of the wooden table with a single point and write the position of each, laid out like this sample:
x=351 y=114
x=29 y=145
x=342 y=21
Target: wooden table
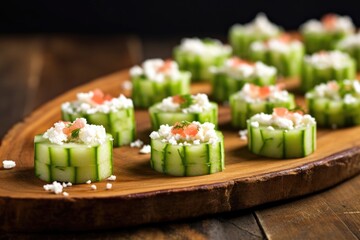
x=34 y=69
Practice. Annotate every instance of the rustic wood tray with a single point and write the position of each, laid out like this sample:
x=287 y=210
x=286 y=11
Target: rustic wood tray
x=141 y=195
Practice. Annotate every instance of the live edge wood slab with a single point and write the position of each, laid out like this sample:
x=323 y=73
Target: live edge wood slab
x=141 y=195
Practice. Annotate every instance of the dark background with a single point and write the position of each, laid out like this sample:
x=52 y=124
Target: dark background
x=156 y=18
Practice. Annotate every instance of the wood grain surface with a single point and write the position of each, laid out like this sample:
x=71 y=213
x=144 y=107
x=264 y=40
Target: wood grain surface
x=140 y=195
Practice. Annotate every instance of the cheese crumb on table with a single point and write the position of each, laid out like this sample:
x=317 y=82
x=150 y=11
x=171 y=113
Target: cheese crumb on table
x=93 y=187
x=108 y=186
x=65 y=194
x=243 y=134
x=8 y=164
x=146 y=149
x=55 y=187
x=69 y=184
x=138 y=143
x=112 y=178
x=88 y=181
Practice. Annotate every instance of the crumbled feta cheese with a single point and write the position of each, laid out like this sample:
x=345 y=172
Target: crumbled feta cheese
x=243 y=134
x=88 y=182
x=55 y=134
x=93 y=187
x=259 y=26
x=199 y=103
x=157 y=70
x=55 y=187
x=255 y=124
x=138 y=144
x=275 y=94
x=127 y=85
x=198 y=47
x=332 y=59
x=8 y=164
x=112 y=178
x=65 y=194
x=69 y=184
x=342 y=24
x=145 y=149
x=276 y=45
x=64 y=185
x=92 y=134
x=108 y=186
x=352 y=41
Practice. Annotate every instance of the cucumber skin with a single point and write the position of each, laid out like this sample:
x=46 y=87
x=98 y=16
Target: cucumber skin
x=224 y=86
x=311 y=76
x=241 y=111
x=306 y=142
x=315 y=42
x=214 y=160
x=241 y=41
x=126 y=123
x=207 y=116
x=327 y=116
x=287 y=64
x=146 y=92
x=198 y=65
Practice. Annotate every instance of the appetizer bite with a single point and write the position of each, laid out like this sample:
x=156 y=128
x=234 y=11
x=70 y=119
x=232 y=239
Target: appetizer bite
x=324 y=34
x=157 y=79
x=187 y=149
x=253 y=99
x=183 y=108
x=235 y=72
x=351 y=46
x=335 y=104
x=284 y=53
x=282 y=134
x=325 y=66
x=198 y=55
x=242 y=36
x=115 y=114
x=73 y=152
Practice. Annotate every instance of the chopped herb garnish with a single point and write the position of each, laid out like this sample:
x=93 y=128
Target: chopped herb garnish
x=75 y=133
x=188 y=101
x=181 y=125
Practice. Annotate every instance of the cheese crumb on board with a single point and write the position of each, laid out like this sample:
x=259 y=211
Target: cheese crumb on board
x=108 y=186
x=8 y=164
x=88 y=181
x=112 y=178
x=55 y=187
x=146 y=149
x=65 y=194
x=138 y=143
x=93 y=187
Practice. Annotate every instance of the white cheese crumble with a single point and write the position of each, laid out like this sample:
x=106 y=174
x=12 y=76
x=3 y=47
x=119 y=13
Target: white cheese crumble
x=85 y=104
x=145 y=149
x=8 y=164
x=108 y=186
x=88 y=182
x=199 y=47
x=55 y=187
x=331 y=59
x=89 y=134
x=93 y=187
x=259 y=26
x=127 y=85
x=252 y=94
x=342 y=24
x=206 y=134
x=69 y=184
x=276 y=45
x=112 y=178
x=138 y=144
x=289 y=122
x=351 y=41
x=65 y=194
x=243 y=134
x=199 y=103
x=157 y=70
x=234 y=68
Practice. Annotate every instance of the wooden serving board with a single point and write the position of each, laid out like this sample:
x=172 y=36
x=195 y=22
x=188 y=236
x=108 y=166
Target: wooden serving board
x=140 y=195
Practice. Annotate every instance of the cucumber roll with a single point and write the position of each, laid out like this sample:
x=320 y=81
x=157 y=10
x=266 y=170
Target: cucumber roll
x=115 y=114
x=335 y=104
x=183 y=107
x=253 y=99
x=187 y=149
x=231 y=77
x=325 y=66
x=324 y=34
x=242 y=36
x=284 y=53
x=157 y=79
x=198 y=55
x=282 y=134
x=73 y=152
x=351 y=46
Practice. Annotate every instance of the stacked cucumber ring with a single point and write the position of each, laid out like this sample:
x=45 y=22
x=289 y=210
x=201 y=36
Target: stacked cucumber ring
x=282 y=134
x=324 y=66
x=284 y=53
x=235 y=72
x=253 y=99
x=324 y=34
x=73 y=152
x=115 y=114
x=157 y=79
x=242 y=36
x=183 y=107
x=351 y=45
x=198 y=55
x=187 y=149
x=335 y=104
